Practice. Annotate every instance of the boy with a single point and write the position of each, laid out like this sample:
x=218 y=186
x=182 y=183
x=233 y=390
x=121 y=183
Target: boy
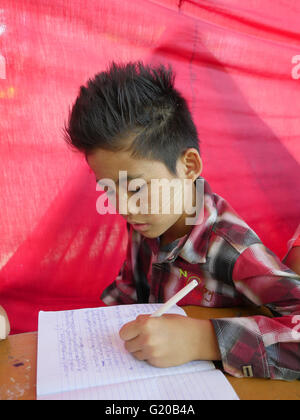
x=292 y=259
x=130 y=119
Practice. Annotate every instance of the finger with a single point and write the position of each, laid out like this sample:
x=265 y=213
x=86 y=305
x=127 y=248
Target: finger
x=140 y=355
x=133 y=328
x=134 y=345
x=129 y=331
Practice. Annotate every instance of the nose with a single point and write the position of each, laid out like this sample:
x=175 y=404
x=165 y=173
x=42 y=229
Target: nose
x=132 y=206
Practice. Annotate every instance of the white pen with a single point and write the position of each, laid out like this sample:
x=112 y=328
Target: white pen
x=176 y=298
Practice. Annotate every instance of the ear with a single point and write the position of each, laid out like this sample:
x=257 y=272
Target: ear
x=192 y=163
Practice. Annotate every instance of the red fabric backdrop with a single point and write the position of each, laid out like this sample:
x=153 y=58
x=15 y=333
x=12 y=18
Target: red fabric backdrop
x=237 y=63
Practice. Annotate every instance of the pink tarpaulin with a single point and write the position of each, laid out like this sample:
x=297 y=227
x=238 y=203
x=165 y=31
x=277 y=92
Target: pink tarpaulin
x=237 y=63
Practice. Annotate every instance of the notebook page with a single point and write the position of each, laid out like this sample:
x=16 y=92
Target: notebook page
x=206 y=385
x=81 y=348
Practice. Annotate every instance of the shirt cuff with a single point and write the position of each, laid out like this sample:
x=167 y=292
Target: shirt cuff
x=241 y=346
x=118 y=295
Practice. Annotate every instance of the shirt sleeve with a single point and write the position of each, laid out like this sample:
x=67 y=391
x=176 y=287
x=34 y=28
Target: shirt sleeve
x=297 y=242
x=260 y=346
x=123 y=289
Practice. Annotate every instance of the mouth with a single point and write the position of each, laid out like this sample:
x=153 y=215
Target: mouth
x=142 y=227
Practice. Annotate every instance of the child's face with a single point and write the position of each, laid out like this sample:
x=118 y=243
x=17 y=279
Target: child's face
x=108 y=164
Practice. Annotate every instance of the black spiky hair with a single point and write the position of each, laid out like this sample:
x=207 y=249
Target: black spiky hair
x=132 y=107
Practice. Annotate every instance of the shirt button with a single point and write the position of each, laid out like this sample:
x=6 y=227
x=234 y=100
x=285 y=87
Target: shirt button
x=248 y=371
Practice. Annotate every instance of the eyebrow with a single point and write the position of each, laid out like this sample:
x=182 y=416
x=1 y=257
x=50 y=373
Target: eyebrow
x=129 y=177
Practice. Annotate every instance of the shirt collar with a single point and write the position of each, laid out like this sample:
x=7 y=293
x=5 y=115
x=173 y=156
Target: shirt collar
x=192 y=247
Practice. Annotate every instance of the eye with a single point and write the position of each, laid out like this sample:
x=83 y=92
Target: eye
x=132 y=189
x=139 y=188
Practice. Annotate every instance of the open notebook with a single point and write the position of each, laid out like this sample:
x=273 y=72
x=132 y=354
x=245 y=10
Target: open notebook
x=80 y=356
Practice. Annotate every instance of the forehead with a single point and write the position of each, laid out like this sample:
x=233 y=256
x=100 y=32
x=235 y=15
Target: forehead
x=107 y=164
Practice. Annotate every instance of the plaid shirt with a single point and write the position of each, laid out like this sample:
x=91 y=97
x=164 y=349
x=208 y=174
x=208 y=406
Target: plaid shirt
x=295 y=241
x=233 y=268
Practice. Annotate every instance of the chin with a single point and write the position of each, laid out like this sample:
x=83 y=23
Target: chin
x=149 y=234
x=154 y=233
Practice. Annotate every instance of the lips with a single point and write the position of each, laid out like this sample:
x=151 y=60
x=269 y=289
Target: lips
x=140 y=226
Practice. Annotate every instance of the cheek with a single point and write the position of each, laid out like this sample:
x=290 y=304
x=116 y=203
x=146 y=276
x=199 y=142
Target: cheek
x=165 y=202
x=161 y=223
x=164 y=207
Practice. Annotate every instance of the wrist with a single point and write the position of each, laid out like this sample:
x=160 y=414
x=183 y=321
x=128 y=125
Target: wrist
x=205 y=344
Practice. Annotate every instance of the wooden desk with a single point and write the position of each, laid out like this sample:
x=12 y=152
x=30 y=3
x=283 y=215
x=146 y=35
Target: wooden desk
x=18 y=355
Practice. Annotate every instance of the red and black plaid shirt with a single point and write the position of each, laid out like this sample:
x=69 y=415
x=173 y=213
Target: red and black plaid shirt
x=233 y=268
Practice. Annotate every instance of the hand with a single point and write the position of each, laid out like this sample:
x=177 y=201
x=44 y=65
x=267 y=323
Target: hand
x=170 y=340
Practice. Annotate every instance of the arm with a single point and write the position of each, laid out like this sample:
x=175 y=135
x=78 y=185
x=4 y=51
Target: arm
x=122 y=290
x=260 y=346
x=292 y=259
x=250 y=346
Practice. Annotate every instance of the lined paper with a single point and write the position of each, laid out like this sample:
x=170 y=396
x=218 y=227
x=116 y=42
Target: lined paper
x=208 y=385
x=80 y=355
